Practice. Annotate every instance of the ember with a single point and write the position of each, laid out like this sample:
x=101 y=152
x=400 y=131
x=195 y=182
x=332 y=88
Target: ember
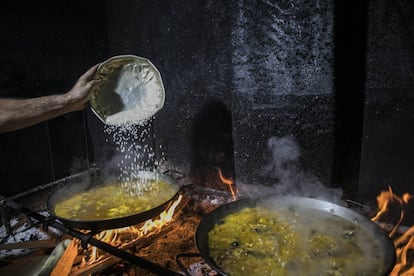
x=404 y=243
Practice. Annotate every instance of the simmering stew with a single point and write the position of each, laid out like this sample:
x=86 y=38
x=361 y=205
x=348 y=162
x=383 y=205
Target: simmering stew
x=292 y=241
x=112 y=201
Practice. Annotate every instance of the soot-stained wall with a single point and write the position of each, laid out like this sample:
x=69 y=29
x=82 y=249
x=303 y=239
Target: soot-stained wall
x=44 y=47
x=236 y=73
x=313 y=70
x=282 y=75
x=387 y=145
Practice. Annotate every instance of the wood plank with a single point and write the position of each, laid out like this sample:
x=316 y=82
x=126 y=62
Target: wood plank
x=29 y=244
x=64 y=265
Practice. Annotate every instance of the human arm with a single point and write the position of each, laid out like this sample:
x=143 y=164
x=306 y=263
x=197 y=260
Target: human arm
x=20 y=113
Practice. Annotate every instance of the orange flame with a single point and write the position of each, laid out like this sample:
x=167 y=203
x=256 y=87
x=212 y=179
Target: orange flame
x=384 y=200
x=405 y=242
x=402 y=257
x=165 y=217
x=406 y=197
x=228 y=182
x=123 y=236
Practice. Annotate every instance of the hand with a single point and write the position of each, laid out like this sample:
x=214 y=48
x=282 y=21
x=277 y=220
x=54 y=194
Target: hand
x=81 y=92
x=20 y=113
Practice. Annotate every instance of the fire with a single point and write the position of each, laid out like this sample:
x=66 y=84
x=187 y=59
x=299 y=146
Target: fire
x=228 y=182
x=403 y=244
x=123 y=237
x=165 y=217
x=384 y=200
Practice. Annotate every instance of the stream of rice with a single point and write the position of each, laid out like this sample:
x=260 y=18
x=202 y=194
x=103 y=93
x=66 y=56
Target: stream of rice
x=135 y=156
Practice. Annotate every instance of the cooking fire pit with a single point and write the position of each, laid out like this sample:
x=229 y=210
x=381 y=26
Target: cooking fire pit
x=183 y=246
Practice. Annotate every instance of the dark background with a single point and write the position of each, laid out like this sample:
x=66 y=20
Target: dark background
x=338 y=77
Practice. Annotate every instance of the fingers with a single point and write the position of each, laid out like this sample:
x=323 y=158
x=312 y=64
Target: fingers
x=91 y=83
x=88 y=75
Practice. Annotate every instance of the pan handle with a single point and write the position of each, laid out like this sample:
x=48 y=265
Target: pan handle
x=174 y=174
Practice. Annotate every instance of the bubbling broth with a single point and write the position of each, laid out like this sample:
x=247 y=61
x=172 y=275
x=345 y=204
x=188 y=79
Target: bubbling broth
x=111 y=201
x=299 y=241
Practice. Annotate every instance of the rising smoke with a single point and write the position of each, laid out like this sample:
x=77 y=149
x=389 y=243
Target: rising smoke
x=284 y=169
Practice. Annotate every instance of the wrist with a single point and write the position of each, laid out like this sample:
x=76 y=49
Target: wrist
x=66 y=102
x=71 y=102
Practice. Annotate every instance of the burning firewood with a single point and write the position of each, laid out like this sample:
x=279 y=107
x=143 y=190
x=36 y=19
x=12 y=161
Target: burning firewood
x=64 y=265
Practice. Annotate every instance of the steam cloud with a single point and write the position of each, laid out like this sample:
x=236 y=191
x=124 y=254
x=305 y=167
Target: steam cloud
x=284 y=168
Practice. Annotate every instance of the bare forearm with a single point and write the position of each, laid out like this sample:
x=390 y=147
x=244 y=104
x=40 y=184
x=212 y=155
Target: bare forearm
x=19 y=113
